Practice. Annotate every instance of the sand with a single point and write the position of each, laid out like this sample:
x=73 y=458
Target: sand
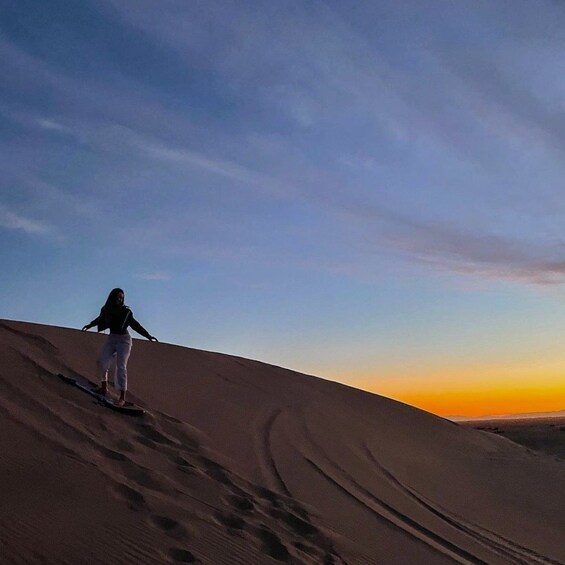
x=545 y=434
x=240 y=462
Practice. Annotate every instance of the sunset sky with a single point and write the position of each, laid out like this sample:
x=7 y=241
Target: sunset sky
x=370 y=192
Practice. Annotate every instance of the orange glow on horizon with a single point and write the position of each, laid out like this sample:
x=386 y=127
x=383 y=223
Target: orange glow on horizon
x=486 y=403
x=482 y=397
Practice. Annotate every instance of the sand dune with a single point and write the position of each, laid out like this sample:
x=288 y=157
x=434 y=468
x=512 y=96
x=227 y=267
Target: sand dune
x=240 y=462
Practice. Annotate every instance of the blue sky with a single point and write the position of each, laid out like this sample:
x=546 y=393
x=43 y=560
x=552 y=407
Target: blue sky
x=357 y=190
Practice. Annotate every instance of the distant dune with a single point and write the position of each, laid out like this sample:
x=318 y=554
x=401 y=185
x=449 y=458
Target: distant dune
x=240 y=462
x=521 y=416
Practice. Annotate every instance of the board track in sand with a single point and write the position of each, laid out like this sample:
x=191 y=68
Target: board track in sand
x=90 y=388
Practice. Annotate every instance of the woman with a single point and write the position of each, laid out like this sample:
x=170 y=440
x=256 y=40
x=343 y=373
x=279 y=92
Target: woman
x=116 y=316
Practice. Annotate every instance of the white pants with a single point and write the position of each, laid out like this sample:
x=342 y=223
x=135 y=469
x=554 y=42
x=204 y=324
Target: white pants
x=118 y=346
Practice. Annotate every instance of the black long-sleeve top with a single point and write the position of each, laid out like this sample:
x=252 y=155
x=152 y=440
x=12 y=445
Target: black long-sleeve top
x=118 y=319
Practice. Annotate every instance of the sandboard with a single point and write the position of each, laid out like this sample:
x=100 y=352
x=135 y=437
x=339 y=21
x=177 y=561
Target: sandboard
x=90 y=388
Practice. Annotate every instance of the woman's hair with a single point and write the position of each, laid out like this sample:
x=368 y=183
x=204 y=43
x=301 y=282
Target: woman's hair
x=111 y=300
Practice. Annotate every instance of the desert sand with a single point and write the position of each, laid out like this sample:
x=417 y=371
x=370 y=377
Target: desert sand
x=545 y=434
x=241 y=462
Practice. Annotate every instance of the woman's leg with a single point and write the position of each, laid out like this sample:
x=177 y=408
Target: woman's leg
x=104 y=361
x=123 y=351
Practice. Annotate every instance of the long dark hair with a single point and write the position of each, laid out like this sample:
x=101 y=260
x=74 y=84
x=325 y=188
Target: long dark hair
x=111 y=300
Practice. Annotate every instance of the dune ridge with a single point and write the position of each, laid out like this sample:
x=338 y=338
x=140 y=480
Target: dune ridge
x=243 y=462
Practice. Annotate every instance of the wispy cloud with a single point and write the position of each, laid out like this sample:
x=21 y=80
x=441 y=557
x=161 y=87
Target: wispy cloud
x=12 y=221
x=486 y=255
x=156 y=276
x=51 y=125
x=231 y=170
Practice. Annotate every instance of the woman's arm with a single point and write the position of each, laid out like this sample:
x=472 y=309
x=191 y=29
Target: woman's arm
x=94 y=322
x=99 y=321
x=136 y=326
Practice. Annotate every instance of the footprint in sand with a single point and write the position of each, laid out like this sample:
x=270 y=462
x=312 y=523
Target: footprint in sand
x=170 y=526
x=305 y=548
x=272 y=545
x=329 y=559
x=241 y=503
x=143 y=477
x=135 y=499
x=149 y=432
x=312 y=552
x=297 y=525
x=231 y=521
x=147 y=442
x=183 y=464
x=111 y=454
x=270 y=496
x=182 y=555
x=181 y=432
x=216 y=471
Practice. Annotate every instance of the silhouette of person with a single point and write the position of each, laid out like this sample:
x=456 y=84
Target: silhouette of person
x=116 y=316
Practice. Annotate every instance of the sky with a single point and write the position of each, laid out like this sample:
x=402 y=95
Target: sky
x=369 y=192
